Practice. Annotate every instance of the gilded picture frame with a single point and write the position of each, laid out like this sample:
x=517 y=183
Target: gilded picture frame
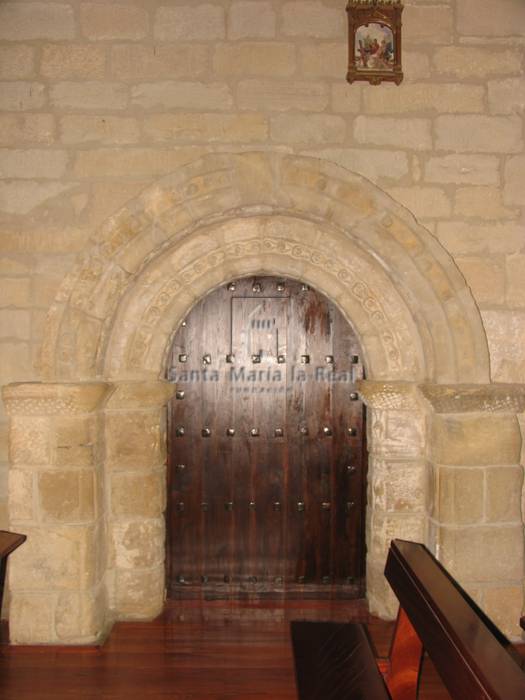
x=374 y=41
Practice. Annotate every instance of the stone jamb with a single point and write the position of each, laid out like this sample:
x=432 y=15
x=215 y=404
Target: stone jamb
x=56 y=580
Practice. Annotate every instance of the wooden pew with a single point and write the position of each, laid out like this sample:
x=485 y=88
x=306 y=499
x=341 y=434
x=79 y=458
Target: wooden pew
x=336 y=661
x=9 y=541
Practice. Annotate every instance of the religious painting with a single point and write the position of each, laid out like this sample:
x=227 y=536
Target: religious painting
x=374 y=41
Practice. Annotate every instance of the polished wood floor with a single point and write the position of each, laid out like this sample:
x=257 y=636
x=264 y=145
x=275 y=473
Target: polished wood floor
x=193 y=651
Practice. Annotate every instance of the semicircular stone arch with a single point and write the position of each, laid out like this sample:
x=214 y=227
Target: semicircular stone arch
x=230 y=215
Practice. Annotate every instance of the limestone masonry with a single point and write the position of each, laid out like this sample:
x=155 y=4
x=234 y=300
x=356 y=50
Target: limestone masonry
x=151 y=150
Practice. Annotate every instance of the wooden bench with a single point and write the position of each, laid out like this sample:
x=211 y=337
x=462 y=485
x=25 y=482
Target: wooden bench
x=9 y=541
x=474 y=659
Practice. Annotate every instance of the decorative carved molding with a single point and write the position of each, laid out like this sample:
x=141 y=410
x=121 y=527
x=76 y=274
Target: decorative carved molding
x=470 y=398
x=48 y=399
x=397 y=396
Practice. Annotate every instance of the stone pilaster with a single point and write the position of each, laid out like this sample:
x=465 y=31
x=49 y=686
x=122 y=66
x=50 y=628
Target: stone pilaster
x=475 y=516
x=135 y=459
x=56 y=579
x=397 y=479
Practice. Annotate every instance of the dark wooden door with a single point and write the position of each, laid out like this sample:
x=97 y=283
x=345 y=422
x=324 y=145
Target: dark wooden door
x=266 y=491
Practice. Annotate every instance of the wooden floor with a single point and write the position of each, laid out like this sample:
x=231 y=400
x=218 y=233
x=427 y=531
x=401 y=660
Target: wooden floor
x=191 y=652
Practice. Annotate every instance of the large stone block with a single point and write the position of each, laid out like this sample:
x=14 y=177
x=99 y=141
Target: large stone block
x=171 y=94
x=485 y=276
x=460 y=237
x=107 y=129
x=32 y=618
x=506 y=338
x=21 y=495
x=138 y=163
x=482 y=203
x=28 y=129
x=137 y=495
x=16 y=362
x=31 y=163
x=324 y=60
x=16 y=62
x=77 y=61
x=515 y=281
x=113 y=21
x=138 y=544
x=282 y=96
x=67 y=496
x=507 y=96
x=138 y=62
x=254 y=58
x=36 y=20
x=346 y=98
x=475 y=440
x=463 y=169
x=312 y=18
x=428 y=24
x=139 y=594
x=17 y=96
x=80 y=617
x=397 y=434
x=399 y=133
x=30 y=441
x=423 y=202
x=477 y=18
x=89 y=95
x=16 y=292
x=134 y=440
x=192 y=22
x=479 y=134
x=504 y=606
x=398 y=486
x=15 y=324
x=425 y=97
x=458 y=495
x=308 y=129
x=504 y=489
x=514 y=191
x=54 y=559
x=471 y=554
x=384 y=527
x=251 y=19
x=373 y=164
x=206 y=128
x=474 y=62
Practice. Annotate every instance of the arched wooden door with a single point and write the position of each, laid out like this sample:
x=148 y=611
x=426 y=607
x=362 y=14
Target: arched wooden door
x=266 y=492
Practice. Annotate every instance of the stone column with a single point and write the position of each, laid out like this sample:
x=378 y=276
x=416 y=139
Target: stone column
x=397 y=480
x=56 y=578
x=135 y=461
x=476 y=518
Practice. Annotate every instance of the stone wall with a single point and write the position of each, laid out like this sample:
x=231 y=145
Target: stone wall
x=100 y=99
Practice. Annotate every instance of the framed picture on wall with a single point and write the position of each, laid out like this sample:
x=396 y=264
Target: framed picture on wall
x=374 y=41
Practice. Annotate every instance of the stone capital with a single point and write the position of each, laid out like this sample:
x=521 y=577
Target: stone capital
x=140 y=395
x=48 y=399
x=473 y=398
x=400 y=396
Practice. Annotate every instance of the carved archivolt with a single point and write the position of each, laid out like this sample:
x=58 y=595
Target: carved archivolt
x=116 y=312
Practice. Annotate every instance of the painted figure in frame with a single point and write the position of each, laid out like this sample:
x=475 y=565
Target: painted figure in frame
x=374 y=47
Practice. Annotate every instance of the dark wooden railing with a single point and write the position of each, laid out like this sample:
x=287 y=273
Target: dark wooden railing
x=474 y=659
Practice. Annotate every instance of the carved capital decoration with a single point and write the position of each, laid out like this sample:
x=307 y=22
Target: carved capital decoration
x=48 y=399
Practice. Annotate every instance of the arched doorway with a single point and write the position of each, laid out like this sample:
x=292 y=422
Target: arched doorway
x=95 y=422
x=266 y=467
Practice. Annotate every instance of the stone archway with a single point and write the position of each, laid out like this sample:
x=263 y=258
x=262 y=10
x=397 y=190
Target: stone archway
x=88 y=482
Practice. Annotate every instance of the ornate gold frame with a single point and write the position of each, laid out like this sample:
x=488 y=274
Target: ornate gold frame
x=386 y=14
